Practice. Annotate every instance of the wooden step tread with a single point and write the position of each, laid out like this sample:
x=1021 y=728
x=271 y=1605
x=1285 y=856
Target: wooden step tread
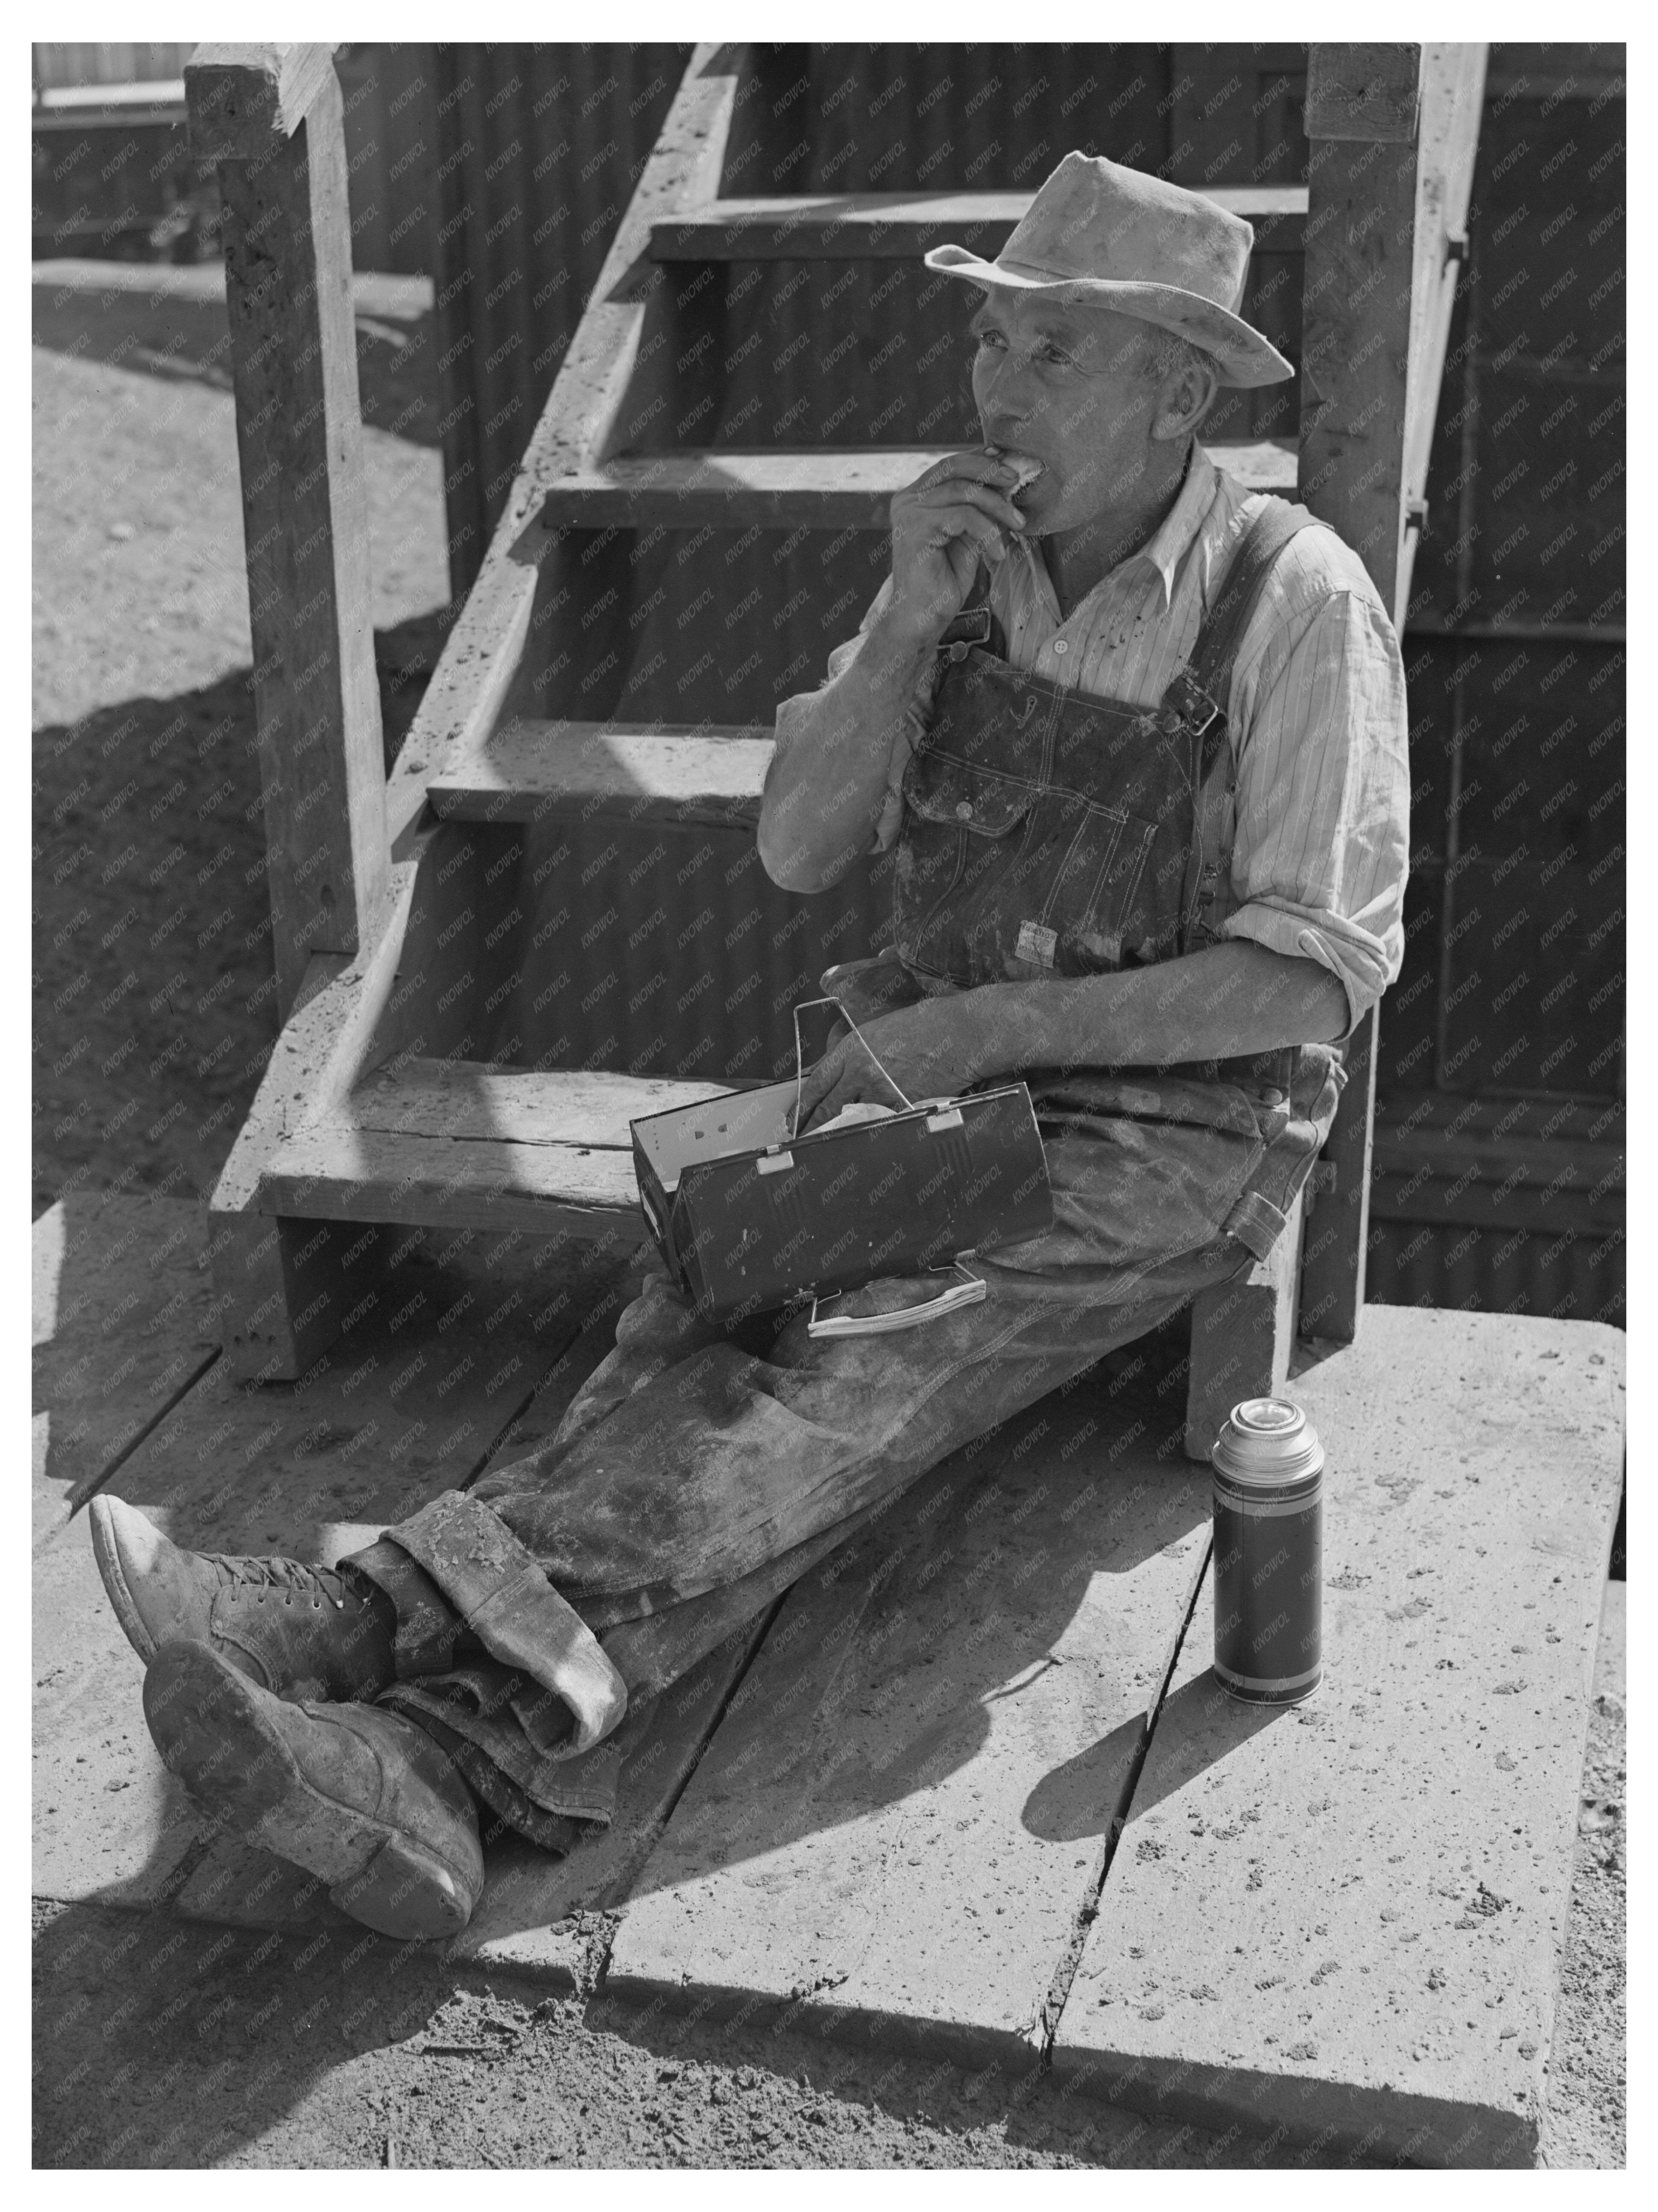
x=640 y=773
x=825 y=487
x=456 y=1145
x=901 y=226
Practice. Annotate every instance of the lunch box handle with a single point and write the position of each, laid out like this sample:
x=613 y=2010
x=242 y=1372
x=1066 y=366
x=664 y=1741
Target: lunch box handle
x=967 y=1292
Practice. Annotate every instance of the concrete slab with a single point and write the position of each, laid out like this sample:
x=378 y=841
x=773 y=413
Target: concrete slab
x=898 y=1820
x=120 y=1333
x=408 y=1404
x=1342 y=1925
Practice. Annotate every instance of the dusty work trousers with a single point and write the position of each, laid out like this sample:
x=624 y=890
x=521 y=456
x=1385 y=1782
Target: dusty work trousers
x=696 y=1474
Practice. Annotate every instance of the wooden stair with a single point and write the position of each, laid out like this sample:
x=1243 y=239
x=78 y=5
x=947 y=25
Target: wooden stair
x=429 y=1142
x=592 y=745
x=902 y=226
x=832 y=488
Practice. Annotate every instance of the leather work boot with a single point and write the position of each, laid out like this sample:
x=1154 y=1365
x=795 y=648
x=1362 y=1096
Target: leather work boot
x=361 y=1798
x=301 y=1632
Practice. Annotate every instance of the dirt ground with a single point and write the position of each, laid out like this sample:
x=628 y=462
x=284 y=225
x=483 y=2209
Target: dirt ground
x=159 y=2043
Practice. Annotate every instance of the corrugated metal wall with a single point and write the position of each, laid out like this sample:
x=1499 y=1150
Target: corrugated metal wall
x=1565 y=1277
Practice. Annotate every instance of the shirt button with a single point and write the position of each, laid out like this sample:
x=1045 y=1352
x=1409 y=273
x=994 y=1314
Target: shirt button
x=1061 y=645
x=964 y=810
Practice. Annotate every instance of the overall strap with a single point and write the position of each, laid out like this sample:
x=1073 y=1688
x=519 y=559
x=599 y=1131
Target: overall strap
x=976 y=624
x=1201 y=689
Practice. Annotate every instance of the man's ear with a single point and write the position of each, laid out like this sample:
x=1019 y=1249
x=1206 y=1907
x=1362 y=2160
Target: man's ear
x=1188 y=393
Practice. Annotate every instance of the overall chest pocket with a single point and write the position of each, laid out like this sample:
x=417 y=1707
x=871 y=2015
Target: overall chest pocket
x=1004 y=876
x=963 y=825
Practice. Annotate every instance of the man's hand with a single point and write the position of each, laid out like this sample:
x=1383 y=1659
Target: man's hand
x=927 y=1049
x=943 y=524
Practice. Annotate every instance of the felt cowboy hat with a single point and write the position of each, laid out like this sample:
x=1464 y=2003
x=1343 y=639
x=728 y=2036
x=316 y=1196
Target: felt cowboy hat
x=1099 y=232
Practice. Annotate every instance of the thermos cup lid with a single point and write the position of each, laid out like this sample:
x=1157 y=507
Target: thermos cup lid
x=1267 y=1441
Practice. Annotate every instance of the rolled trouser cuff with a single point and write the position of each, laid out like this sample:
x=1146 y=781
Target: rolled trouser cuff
x=492 y=1587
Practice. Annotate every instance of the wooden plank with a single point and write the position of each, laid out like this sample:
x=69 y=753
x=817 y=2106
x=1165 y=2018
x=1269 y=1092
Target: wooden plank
x=402 y=1409
x=483 y=654
x=672 y=777
x=901 y=226
x=305 y=506
x=1262 y=463
x=1337 y=1241
x=267 y=1275
x=902 y=1816
x=1344 y=1924
x=245 y=100
x=1356 y=324
x=338 y=1171
x=585 y=1107
x=121 y=1330
x=820 y=488
x=1363 y=93
x=1453 y=93
x=1243 y=1335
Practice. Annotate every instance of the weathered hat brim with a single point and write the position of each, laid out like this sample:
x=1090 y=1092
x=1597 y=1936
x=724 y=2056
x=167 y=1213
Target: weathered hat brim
x=1244 y=358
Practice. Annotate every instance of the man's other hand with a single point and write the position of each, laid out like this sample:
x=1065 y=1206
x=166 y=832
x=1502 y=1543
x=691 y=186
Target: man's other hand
x=927 y=1050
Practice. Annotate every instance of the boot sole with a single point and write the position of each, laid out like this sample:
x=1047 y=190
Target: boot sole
x=106 y=1552
x=212 y=1729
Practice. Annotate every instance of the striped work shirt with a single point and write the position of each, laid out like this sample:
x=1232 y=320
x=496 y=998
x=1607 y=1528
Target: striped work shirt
x=1316 y=717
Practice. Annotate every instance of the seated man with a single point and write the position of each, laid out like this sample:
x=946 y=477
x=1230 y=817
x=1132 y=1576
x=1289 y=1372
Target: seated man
x=1139 y=738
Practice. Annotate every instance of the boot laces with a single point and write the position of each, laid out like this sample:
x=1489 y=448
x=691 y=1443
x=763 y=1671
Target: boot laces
x=289 y=1575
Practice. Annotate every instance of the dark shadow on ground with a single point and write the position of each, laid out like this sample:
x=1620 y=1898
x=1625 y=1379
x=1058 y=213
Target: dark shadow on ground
x=154 y=1007
x=164 y=2044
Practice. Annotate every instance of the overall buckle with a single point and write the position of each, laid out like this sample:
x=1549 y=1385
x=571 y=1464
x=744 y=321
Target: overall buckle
x=972 y=628
x=1195 y=707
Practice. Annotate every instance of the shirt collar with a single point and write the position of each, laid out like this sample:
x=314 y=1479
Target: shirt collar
x=1171 y=540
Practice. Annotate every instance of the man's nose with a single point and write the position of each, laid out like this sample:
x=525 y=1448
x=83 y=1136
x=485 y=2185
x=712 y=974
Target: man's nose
x=1003 y=382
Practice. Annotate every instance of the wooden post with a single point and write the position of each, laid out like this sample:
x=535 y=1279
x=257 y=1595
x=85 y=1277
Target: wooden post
x=270 y=117
x=1242 y=1334
x=1394 y=130
x=1361 y=118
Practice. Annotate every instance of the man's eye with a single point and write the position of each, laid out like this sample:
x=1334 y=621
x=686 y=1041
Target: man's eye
x=991 y=338
x=1051 y=353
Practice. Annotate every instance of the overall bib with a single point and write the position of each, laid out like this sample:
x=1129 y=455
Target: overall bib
x=698 y=1473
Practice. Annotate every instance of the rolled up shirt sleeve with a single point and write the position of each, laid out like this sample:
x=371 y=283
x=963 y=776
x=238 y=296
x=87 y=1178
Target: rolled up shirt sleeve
x=1322 y=831
x=796 y=715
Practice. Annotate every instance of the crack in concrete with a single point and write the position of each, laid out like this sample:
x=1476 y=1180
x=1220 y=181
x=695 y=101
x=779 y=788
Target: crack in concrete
x=1045 y=2028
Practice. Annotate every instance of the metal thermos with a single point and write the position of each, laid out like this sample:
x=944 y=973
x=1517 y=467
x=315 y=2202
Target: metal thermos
x=1269 y=1540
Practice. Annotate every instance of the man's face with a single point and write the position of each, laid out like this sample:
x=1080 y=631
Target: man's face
x=1067 y=385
